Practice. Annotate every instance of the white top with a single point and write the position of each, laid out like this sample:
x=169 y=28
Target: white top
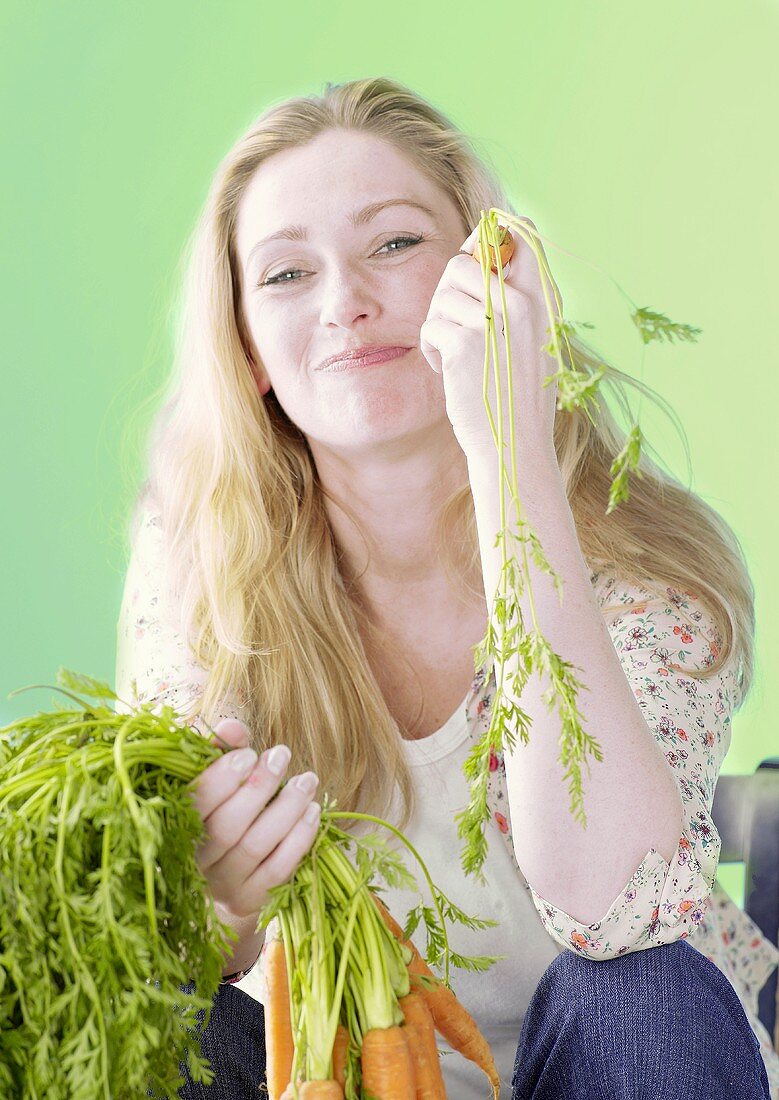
x=496 y=998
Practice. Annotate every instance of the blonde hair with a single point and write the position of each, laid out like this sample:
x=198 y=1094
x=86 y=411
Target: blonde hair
x=250 y=558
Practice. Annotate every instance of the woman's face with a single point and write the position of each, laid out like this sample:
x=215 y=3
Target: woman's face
x=334 y=285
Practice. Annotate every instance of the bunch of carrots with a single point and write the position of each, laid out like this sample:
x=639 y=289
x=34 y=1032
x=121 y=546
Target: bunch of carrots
x=351 y=1007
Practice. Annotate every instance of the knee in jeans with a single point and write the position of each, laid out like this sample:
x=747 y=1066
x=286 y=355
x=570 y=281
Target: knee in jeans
x=650 y=1013
x=665 y=978
x=577 y=971
x=675 y=958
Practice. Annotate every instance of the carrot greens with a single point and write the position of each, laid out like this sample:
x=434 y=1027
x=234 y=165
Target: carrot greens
x=515 y=649
x=102 y=905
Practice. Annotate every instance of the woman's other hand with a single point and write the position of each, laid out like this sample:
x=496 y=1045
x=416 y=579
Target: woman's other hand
x=253 y=840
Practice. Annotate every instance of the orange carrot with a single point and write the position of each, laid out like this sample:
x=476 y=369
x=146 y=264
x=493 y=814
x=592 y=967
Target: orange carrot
x=387 y=1067
x=450 y=1018
x=340 y=1047
x=505 y=248
x=279 y=1043
x=414 y=1080
x=421 y=1040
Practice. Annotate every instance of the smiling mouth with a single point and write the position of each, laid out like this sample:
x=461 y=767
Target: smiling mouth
x=366 y=360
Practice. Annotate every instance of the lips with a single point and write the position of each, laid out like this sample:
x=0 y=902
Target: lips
x=362 y=357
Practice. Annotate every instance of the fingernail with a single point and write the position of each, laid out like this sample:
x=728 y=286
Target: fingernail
x=312 y=813
x=306 y=782
x=278 y=758
x=470 y=239
x=243 y=760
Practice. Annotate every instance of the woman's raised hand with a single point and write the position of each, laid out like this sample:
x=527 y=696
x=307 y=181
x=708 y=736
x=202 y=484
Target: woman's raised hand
x=252 y=844
x=452 y=341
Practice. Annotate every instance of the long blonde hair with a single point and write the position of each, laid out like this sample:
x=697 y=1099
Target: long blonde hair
x=250 y=558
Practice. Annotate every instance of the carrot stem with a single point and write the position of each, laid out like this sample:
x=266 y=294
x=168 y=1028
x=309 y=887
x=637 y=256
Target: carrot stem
x=329 y=814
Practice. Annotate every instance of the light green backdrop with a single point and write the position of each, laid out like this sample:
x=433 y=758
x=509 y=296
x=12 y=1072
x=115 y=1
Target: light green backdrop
x=640 y=137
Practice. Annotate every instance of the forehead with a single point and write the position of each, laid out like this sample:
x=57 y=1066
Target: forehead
x=326 y=180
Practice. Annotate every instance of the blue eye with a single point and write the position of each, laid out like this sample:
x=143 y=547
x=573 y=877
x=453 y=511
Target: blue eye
x=277 y=279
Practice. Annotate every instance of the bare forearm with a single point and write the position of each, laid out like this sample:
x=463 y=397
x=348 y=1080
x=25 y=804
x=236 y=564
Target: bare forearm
x=631 y=801
x=247 y=949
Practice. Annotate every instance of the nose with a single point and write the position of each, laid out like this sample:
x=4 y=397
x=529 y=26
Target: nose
x=346 y=297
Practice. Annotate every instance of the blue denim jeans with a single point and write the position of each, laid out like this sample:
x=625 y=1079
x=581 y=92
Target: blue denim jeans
x=659 y=1024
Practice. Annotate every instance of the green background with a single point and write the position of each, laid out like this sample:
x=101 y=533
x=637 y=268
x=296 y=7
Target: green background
x=641 y=138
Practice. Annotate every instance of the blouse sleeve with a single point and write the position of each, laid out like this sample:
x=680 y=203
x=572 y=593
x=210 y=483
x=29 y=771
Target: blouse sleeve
x=691 y=720
x=154 y=664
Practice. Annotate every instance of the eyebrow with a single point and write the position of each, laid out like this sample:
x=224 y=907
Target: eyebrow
x=357 y=218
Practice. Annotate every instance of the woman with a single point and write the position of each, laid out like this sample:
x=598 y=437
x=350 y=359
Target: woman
x=326 y=537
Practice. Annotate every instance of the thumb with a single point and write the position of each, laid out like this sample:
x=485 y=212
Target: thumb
x=232 y=731
x=469 y=244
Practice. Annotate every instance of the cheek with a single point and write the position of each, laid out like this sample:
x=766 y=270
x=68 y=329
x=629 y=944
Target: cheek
x=280 y=340
x=427 y=276
x=418 y=290
x=428 y=285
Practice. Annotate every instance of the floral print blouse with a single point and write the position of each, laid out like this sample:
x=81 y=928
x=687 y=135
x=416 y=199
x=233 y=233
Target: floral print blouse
x=690 y=718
